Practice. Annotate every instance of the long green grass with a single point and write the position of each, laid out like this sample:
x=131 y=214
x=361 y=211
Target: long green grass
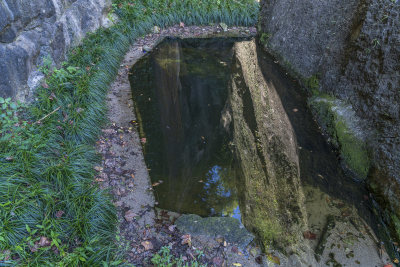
x=47 y=189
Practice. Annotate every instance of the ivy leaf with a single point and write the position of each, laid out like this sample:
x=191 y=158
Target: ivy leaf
x=13 y=106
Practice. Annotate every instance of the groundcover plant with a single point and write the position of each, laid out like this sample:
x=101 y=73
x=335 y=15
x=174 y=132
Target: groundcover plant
x=51 y=212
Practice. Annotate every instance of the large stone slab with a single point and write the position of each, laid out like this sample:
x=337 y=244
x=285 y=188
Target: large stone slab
x=227 y=227
x=271 y=198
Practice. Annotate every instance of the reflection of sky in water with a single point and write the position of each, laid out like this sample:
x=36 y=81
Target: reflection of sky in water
x=214 y=187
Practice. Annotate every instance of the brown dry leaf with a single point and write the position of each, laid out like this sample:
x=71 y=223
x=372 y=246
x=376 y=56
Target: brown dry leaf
x=276 y=260
x=129 y=215
x=182 y=25
x=6 y=253
x=45 y=85
x=59 y=213
x=147 y=245
x=133 y=176
x=309 y=235
x=44 y=242
x=187 y=239
x=98 y=168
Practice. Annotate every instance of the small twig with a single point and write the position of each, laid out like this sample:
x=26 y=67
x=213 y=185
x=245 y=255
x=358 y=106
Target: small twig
x=39 y=121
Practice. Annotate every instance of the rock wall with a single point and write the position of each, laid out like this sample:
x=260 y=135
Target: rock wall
x=349 y=49
x=31 y=30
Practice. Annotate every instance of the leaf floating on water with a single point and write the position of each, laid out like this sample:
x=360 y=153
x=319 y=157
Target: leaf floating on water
x=157 y=183
x=309 y=235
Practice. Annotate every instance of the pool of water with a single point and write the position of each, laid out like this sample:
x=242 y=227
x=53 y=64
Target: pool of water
x=180 y=91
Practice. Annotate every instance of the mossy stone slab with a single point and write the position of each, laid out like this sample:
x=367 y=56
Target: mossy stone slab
x=227 y=227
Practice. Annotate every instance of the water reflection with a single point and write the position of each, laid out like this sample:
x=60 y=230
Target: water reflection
x=180 y=91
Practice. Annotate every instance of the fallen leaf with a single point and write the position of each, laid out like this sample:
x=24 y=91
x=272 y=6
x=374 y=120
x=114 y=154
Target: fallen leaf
x=259 y=259
x=237 y=264
x=129 y=215
x=218 y=261
x=6 y=253
x=171 y=228
x=186 y=239
x=147 y=245
x=182 y=25
x=396 y=260
x=143 y=140
x=276 y=260
x=309 y=235
x=34 y=248
x=45 y=85
x=219 y=240
x=44 y=242
x=133 y=176
x=98 y=168
x=59 y=213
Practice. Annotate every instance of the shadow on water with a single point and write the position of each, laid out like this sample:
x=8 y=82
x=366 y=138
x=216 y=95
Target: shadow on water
x=320 y=165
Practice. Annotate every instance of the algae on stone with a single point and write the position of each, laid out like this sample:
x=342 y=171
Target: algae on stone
x=265 y=149
x=339 y=122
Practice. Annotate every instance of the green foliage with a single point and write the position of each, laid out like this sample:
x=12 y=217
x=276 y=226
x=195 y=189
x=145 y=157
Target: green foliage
x=47 y=150
x=264 y=38
x=163 y=258
x=312 y=83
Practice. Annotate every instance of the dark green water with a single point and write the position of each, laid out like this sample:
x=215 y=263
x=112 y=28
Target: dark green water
x=180 y=90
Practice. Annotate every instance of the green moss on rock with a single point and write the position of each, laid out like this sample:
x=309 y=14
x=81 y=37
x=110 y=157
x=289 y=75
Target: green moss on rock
x=336 y=118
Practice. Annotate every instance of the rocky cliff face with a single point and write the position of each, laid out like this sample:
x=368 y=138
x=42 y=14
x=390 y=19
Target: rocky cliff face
x=349 y=49
x=31 y=30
